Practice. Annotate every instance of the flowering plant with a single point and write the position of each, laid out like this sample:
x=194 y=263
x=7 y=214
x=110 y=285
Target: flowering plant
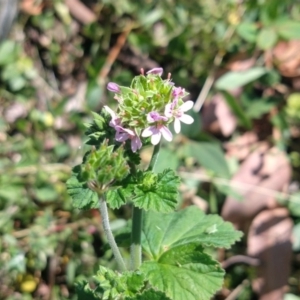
x=167 y=247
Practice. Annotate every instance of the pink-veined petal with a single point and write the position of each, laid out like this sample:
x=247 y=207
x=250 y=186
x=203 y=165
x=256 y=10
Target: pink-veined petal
x=167 y=134
x=121 y=136
x=186 y=106
x=149 y=131
x=156 y=71
x=186 y=119
x=129 y=131
x=154 y=116
x=136 y=144
x=168 y=110
x=155 y=138
x=177 y=125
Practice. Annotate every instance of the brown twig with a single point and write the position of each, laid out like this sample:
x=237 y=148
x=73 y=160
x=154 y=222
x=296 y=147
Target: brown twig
x=240 y=259
x=80 y=12
x=113 y=54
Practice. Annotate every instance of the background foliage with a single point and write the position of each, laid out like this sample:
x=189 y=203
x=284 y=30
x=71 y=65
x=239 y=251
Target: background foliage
x=238 y=59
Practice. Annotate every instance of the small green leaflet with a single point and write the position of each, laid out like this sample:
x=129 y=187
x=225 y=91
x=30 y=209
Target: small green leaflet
x=191 y=225
x=185 y=272
x=82 y=196
x=149 y=295
x=159 y=195
x=236 y=79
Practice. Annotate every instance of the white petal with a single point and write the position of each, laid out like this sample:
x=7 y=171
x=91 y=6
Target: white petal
x=147 y=132
x=167 y=134
x=187 y=105
x=177 y=126
x=168 y=111
x=155 y=138
x=110 y=111
x=186 y=119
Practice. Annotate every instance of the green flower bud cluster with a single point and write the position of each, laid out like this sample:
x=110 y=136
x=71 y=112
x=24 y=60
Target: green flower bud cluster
x=147 y=108
x=146 y=94
x=104 y=166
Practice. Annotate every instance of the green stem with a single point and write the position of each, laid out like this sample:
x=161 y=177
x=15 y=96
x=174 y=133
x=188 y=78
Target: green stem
x=154 y=157
x=110 y=238
x=137 y=219
x=136 y=236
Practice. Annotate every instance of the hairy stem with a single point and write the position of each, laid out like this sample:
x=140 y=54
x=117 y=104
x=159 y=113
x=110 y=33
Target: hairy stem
x=109 y=235
x=136 y=234
x=154 y=157
x=137 y=219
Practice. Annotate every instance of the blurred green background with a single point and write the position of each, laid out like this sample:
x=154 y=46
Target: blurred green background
x=240 y=62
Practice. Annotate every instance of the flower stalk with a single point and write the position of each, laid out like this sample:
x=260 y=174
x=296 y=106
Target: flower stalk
x=137 y=221
x=110 y=238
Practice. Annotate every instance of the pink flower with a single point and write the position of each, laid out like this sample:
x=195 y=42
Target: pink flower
x=113 y=87
x=124 y=134
x=178 y=92
x=154 y=116
x=156 y=132
x=156 y=71
x=179 y=113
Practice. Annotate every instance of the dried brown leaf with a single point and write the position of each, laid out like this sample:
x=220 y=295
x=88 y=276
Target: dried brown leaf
x=261 y=176
x=269 y=240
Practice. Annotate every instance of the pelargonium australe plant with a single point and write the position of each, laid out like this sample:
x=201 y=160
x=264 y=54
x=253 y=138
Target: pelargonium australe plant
x=167 y=247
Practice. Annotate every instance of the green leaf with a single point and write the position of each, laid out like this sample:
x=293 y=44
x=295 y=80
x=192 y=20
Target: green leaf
x=192 y=130
x=256 y=107
x=296 y=237
x=82 y=196
x=237 y=110
x=185 y=272
x=235 y=79
x=158 y=192
x=229 y=191
x=209 y=155
x=113 y=285
x=9 y=51
x=17 y=83
x=294 y=205
x=267 y=38
x=166 y=160
x=248 y=31
x=115 y=198
x=93 y=94
x=289 y=29
x=191 y=225
x=150 y=295
x=84 y=291
x=291 y=297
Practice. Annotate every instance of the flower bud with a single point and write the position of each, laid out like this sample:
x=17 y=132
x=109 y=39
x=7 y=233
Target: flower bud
x=113 y=87
x=156 y=71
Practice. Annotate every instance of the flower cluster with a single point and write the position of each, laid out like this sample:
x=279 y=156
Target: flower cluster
x=147 y=108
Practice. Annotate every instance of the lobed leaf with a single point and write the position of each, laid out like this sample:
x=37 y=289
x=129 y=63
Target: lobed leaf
x=149 y=295
x=185 y=272
x=82 y=196
x=191 y=225
x=160 y=195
